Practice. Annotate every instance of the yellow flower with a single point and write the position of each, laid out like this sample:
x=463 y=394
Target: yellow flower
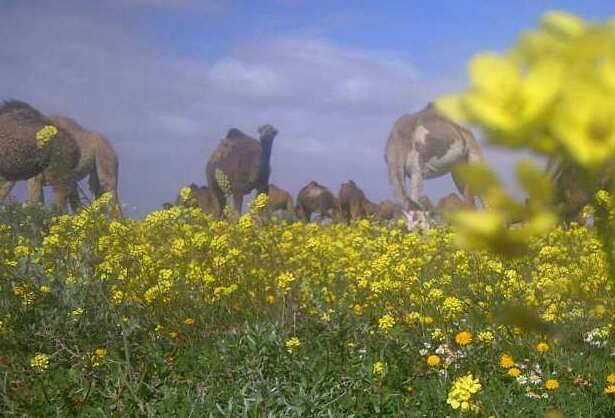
x=98 y=357
x=44 y=135
x=542 y=347
x=609 y=390
x=293 y=344
x=185 y=193
x=486 y=337
x=270 y=299
x=514 y=372
x=40 y=362
x=504 y=97
x=463 y=338
x=173 y=334
x=611 y=378
x=506 y=361
x=561 y=23
x=551 y=384
x=189 y=321
x=460 y=395
x=259 y=203
x=378 y=368
x=428 y=320
x=585 y=124
x=433 y=360
x=100 y=352
x=386 y=322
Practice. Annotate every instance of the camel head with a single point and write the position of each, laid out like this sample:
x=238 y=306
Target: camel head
x=267 y=133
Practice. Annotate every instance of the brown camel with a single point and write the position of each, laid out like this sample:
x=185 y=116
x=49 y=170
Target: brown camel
x=280 y=199
x=386 y=210
x=244 y=161
x=426 y=145
x=353 y=204
x=98 y=161
x=31 y=144
x=199 y=197
x=573 y=190
x=448 y=205
x=316 y=198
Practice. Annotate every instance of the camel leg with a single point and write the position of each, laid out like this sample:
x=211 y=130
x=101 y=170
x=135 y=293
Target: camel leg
x=464 y=190
x=414 y=172
x=61 y=193
x=36 y=195
x=416 y=187
x=73 y=198
x=237 y=202
x=5 y=188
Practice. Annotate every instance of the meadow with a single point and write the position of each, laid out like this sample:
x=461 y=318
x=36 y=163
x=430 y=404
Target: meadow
x=179 y=314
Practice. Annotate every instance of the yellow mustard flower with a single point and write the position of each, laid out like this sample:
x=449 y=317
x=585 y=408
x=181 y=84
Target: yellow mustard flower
x=378 y=368
x=386 y=322
x=293 y=344
x=44 y=135
x=40 y=362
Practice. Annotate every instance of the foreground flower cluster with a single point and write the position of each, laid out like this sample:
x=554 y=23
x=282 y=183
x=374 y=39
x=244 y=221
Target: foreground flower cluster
x=417 y=310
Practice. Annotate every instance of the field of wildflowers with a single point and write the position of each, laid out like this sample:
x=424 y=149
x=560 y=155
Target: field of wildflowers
x=179 y=314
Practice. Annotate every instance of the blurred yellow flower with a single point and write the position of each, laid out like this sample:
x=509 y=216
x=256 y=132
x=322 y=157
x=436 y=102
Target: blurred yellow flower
x=433 y=360
x=506 y=361
x=40 y=362
x=514 y=372
x=293 y=344
x=542 y=347
x=44 y=135
x=386 y=322
x=378 y=368
x=463 y=338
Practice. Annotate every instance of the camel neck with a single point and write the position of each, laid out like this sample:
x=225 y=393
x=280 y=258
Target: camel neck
x=266 y=147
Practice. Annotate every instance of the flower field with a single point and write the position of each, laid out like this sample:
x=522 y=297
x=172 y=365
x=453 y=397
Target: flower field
x=179 y=314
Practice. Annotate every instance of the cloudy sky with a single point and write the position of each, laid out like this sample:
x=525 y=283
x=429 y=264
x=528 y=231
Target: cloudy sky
x=166 y=79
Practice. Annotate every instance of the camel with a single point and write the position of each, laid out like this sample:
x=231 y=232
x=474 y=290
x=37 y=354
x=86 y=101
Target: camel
x=200 y=197
x=32 y=145
x=244 y=161
x=386 y=210
x=280 y=199
x=98 y=161
x=573 y=191
x=353 y=204
x=427 y=145
x=448 y=205
x=316 y=198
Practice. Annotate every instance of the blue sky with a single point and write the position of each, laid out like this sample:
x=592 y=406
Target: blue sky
x=164 y=80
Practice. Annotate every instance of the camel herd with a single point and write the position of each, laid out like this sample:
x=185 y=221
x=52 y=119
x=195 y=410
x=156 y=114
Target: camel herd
x=57 y=151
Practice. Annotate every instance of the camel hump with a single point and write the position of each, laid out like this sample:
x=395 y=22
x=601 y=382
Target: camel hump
x=234 y=133
x=22 y=109
x=66 y=122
